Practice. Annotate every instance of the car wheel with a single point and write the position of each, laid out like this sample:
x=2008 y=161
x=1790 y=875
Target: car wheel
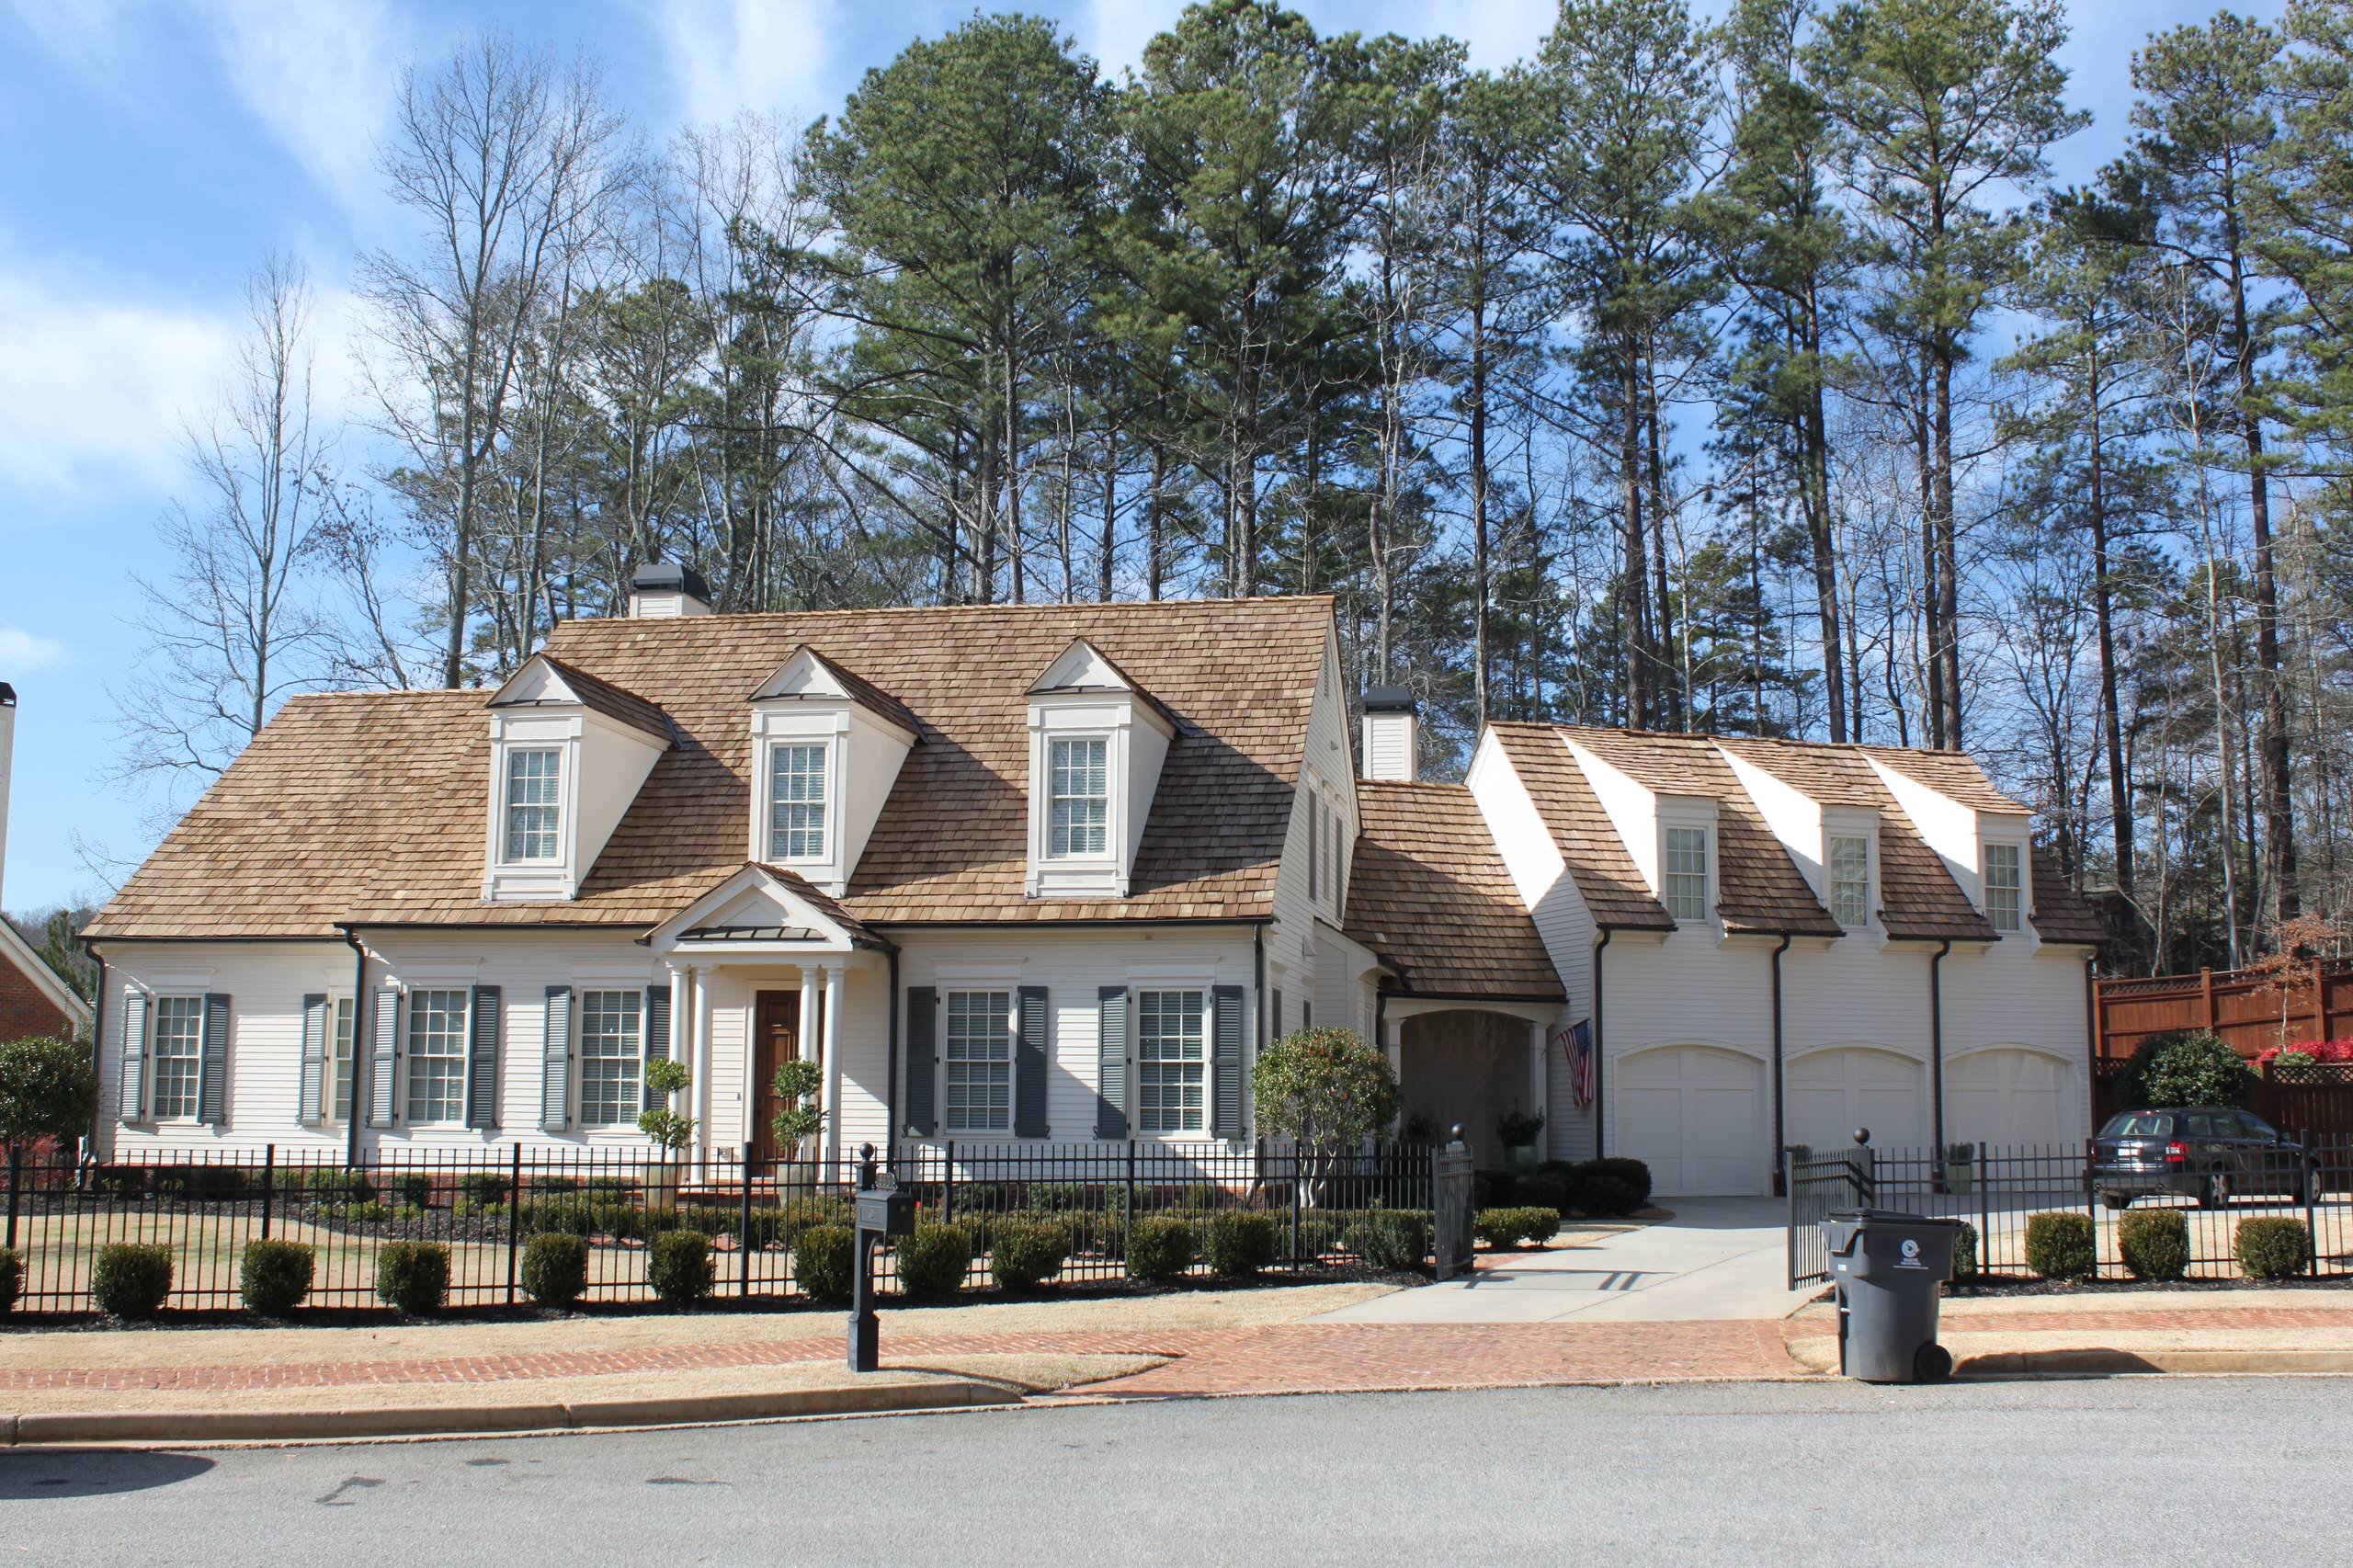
x=2115 y=1201
x=2216 y=1194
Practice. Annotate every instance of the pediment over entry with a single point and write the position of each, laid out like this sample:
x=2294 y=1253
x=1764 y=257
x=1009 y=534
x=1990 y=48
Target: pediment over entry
x=762 y=909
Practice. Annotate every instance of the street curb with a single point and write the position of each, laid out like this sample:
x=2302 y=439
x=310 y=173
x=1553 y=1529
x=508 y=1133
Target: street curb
x=1821 y=1356
x=265 y=1426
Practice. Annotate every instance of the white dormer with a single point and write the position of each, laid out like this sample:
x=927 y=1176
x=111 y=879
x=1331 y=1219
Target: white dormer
x=1988 y=852
x=567 y=755
x=826 y=747
x=1672 y=839
x=1096 y=742
x=1835 y=846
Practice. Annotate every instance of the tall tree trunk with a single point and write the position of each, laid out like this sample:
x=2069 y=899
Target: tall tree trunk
x=1673 y=701
x=2119 y=796
x=1947 y=650
x=1817 y=509
x=1481 y=591
x=1155 y=547
x=1630 y=590
x=2279 y=807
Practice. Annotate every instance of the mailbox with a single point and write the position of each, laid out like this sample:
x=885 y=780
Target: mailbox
x=886 y=1211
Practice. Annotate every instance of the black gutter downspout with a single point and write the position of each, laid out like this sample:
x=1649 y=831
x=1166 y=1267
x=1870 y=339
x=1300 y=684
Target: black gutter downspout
x=98 y=1051
x=1600 y=1120
x=1780 y=1130
x=2091 y=1042
x=361 y=1012
x=1257 y=1008
x=1936 y=1041
x=891 y=1090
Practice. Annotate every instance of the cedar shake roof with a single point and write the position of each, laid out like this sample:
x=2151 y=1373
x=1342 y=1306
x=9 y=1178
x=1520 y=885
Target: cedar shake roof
x=1429 y=892
x=862 y=692
x=1604 y=873
x=2061 y=913
x=1952 y=774
x=368 y=809
x=603 y=696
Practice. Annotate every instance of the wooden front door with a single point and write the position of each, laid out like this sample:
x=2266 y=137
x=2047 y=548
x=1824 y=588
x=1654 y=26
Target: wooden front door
x=776 y=1037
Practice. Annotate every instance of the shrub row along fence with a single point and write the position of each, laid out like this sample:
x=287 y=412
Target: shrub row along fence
x=1999 y=1191
x=769 y=1223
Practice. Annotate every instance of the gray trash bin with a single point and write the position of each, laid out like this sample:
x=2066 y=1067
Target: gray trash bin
x=1889 y=1269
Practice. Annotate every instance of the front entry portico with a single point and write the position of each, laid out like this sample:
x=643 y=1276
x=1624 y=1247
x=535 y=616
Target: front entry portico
x=1469 y=1063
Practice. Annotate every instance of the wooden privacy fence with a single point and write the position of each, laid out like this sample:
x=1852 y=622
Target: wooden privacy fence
x=2245 y=1009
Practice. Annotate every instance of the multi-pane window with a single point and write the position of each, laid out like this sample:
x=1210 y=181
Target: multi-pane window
x=1851 y=882
x=437 y=1056
x=343 y=1011
x=533 y=780
x=1172 y=1078
x=980 y=1061
x=179 y=1053
x=2002 y=905
x=796 y=802
x=611 y=1048
x=1686 y=873
x=1079 y=793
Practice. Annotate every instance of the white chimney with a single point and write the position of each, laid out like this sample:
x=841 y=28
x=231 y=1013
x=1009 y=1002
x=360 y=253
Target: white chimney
x=1391 y=734
x=7 y=745
x=663 y=590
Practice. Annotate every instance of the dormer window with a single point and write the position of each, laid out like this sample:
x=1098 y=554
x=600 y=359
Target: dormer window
x=1081 y=799
x=567 y=755
x=826 y=748
x=1686 y=877
x=1097 y=742
x=2005 y=888
x=796 y=802
x=534 y=805
x=1850 y=880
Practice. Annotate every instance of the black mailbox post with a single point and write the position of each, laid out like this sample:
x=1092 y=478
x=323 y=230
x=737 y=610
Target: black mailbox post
x=881 y=1211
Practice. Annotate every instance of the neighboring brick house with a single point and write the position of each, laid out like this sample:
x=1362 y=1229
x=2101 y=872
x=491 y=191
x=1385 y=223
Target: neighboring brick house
x=33 y=1000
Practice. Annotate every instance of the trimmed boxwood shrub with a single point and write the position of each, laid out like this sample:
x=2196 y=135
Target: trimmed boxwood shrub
x=1964 y=1255
x=1025 y=1254
x=822 y=1259
x=327 y=1183
x=1238 y=1245
x=2155 y=1243
x=482 y=1188
x=1160 y=1248
x=413 y=1277
x=276 y=1276
x=555 y=1270
x=1545 y=1189
x=2061 y=1245
x=680 y=1268
x=1630 y=1176
x=1502 y=1228
x=12 y=1279
x=934 y=1261
x=412 y=1187
x=1389 y=1239
x=2273 y=1246
x=131 y=1278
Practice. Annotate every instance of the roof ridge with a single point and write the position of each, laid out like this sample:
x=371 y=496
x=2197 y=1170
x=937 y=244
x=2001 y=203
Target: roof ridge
x=1033 y=608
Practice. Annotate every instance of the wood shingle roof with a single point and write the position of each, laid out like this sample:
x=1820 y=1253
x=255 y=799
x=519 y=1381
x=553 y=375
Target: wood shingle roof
x=1429 y=892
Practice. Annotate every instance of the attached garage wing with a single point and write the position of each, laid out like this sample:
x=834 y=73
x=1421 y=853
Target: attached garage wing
x=1830 y=1094
x=1697 y=1116
x=2012 y=1096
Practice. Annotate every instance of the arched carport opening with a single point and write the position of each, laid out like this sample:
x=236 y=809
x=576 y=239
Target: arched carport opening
x=1467 y=1063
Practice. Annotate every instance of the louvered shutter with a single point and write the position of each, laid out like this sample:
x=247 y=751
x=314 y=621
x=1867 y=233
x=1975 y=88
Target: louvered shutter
x=923 y=1057
x=314 y=1057
x=212 y=1045
x=1315 y=841
x=657 y=1022
x=1111 y=1062
x=556 y=1059
x=482 y=1061
x=1029 y=1065
x=384 y=1057
x=1225 y=1063
x=131 y=1102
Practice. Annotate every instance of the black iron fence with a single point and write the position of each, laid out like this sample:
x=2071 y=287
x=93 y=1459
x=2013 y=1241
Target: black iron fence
x=1366 y=1211
x=1997 y=1189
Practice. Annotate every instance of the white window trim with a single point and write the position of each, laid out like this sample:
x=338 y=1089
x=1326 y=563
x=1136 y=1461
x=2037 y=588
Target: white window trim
x=1011 y=991
x=1109 y=854
x=828 y=770
x=1832 y=832
x=1704 y=821
x=578 y=1047
x=408 y=1055
x=557 y=877
x=1207 y=991
x=328 y=1116
x=2025 y=888
x=507 y=806
x=151 y=1075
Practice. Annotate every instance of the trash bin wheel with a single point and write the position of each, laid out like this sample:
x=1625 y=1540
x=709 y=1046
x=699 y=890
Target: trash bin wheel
x=1932 y=1364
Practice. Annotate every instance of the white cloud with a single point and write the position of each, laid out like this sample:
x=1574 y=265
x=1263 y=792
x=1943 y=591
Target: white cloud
x=1116 y=31
x=23 y=652
x=728 y=56
x=319 y=78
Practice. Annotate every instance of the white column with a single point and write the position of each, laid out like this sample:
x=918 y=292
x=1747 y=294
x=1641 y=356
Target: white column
x=1393 y=1043
x=833 y=1060
x=698 y=1095
x=812 y=1040
x=1536 y=1092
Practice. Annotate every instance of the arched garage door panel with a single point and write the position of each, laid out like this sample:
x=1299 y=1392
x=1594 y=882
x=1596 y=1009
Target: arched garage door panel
x=1696 y=1116
x=2008 y=1096
x=1832 y=1092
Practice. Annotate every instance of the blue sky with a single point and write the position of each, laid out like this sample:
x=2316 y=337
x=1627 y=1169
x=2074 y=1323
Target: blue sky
x=151 y=153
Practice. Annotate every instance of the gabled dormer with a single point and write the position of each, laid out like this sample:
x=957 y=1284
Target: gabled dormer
x=567 y=755
x=1984 y=839
x=1831 y=835
x=1096 y=742
x=826 y=747
x=1671 y=836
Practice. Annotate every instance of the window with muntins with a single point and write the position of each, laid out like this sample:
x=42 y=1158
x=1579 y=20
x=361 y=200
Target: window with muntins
x=179 y=1050
x=343 y=1016
x=2003 y=908
x=980 y=1061
x=437 y=1056
x=1851 y=882
x=1172 y=1078
x=612 y=1046
x=1079 y=799
x=796 y=802
x=533 y=808
x=1686 y=873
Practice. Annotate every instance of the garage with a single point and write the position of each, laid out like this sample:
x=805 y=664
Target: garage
x=1832 y=1092
x=2011 y=1096
x=1697 y=1116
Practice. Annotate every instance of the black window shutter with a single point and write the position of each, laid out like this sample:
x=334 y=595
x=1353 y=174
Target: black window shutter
x=482 y=1061
x=657 y=1022
x=1314 y=833
x=314 y=1057
x=923 y=1053
x=555 y=1059
x=131 y=1102
x=212 y=1105
x=383 y=1058
x=1111 y=1062
x=1225 y=1066
x=1276 y=1030
x=1029 y=1065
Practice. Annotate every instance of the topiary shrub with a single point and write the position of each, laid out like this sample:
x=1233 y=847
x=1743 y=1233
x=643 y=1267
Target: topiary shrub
x=12 y=1279
x=2184 y=1067
x=1025 y=1254
x=413 y=1277
x=1632 y=1174
x=934 y=1262
x=2155 y=1243
x=276 y=1276
x=822 y=1260
x=411 y=1187
x=1240 y=1243
x=2273 y=1247
x=2061 y=1245
x=1499 y=1228
x=1389 y=1239
x=1538 y=1226
x=131 y=1278
x=1160 y=1248
x=482 y=1188
x=1964 y=1255
x=680 y=1268
x=555 y=1270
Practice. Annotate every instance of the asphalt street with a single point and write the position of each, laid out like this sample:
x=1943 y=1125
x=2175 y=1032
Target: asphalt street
x=2129 y=1470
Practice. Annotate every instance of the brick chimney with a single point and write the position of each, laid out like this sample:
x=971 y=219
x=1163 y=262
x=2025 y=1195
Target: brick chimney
x=1391 y=734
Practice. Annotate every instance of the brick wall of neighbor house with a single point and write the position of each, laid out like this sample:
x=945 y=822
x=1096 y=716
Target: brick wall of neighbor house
x=25 y=1009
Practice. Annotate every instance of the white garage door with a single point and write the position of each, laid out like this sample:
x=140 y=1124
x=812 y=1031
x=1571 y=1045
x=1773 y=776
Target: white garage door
x=1696 y=1116
x=2010 y=1097
x=1832 y=1092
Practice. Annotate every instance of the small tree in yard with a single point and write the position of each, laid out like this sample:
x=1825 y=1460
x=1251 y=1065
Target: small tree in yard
x=1326 y=1090
x=48 y=1089
x=798 y=1085
x=670 y=1128
x=2185 y=1069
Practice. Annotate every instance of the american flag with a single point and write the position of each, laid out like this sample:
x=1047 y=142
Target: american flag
x=1576 y=1044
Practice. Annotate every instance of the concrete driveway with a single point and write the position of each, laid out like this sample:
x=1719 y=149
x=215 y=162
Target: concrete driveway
x=1718 y=1257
